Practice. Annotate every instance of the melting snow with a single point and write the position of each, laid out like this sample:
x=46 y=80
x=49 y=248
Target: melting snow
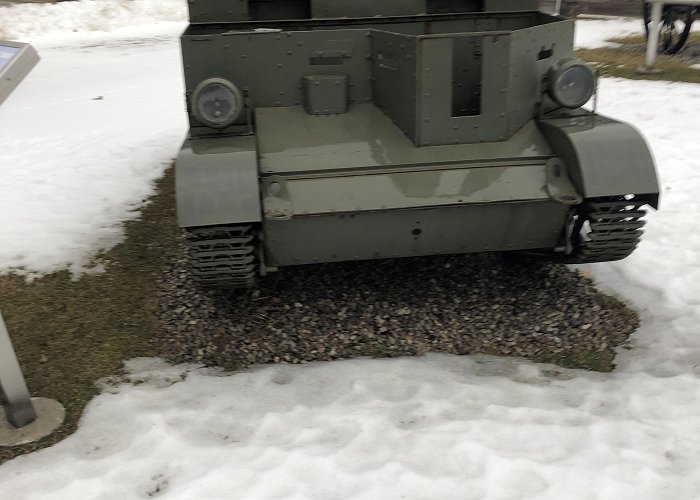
x=83 y=140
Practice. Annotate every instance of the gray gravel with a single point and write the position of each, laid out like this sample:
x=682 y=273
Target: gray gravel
x=486 y=303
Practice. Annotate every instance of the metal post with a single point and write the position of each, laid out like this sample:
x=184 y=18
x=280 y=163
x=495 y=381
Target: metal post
x=653 y=42
x=557 y=8
x=14 y=393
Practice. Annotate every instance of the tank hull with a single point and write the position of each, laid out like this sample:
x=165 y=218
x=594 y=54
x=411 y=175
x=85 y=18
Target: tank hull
x=322 y=131
x=414 y=232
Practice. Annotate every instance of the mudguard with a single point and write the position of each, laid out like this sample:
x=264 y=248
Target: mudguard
x=217 y=182
x=605 y=157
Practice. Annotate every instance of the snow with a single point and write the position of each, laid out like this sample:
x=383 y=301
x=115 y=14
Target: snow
x=45 y=19
x=598 y=31
x=435 y=427
x=83 y=140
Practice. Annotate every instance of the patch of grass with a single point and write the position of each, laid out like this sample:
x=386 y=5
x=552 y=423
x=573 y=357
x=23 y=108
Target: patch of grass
x=596 y=17
x=599 y=361
x=68 y=334
x=641 y=39
x=623 y=61
x=618 y=63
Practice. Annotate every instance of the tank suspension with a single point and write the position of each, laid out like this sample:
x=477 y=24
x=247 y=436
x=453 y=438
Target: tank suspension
x=605 y=229
x=600 y=230
x=223 y=256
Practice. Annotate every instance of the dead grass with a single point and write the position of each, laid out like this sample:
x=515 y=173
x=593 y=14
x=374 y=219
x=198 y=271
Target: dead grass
x=641 y=39
x=68 y=334
x=617 y=63
x=624 y=61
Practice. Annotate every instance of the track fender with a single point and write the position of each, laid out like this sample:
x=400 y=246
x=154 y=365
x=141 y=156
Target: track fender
x=604 y=157
x=217 y=182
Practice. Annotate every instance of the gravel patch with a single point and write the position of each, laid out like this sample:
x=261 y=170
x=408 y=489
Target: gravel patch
x=461 y=304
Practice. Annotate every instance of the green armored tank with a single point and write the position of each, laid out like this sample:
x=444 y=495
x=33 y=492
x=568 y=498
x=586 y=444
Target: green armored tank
x=327 y=130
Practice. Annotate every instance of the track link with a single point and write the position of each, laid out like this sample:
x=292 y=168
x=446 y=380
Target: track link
x=606 y=229
x=223 y=256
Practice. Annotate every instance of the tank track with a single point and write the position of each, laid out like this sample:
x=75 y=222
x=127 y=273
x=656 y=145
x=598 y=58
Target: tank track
x=602 y=230
x=223 y=256
x=605 y=229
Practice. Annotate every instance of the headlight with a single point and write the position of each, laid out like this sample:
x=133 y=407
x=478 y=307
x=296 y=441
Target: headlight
x=217 y=103
x=571 y=83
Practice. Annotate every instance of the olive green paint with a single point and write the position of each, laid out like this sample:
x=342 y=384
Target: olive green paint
x=605 y=157
x=291 y=141
x=211 y=11
x=395 y=128
x=403 y=233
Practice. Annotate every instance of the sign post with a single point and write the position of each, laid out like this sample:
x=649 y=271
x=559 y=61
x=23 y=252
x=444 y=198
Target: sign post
x=653 y=41
x=654 y=26
x=13 y=389
x=28 y=419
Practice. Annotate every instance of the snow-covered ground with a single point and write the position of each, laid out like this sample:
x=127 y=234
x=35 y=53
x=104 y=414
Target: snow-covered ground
x=84 y=138
x=599 y=30
x=73 y=166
